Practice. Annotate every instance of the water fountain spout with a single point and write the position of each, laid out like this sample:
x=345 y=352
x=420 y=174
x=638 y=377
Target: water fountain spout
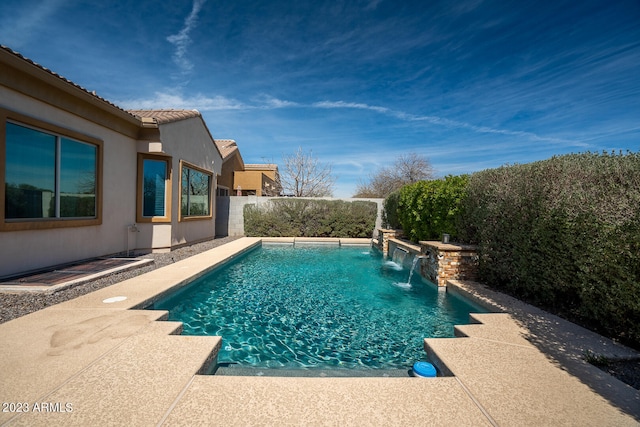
x=416 y=259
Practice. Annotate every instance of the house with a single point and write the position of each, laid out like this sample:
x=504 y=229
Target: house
x=178 y=143
x=258 y=180
x=81 y=178
x=231 y=162
x=240 y=179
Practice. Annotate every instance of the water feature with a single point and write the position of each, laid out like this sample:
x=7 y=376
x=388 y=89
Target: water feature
x=399 y=255
x=316 y=308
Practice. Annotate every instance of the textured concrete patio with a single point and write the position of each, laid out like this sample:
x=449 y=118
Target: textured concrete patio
x=100 y=359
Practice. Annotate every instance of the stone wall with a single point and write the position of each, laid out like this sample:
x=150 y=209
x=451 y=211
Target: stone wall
x=383 y=240
x=446 y=261
x=439 y=261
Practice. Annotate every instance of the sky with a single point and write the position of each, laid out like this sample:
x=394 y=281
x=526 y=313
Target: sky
x=467 y=84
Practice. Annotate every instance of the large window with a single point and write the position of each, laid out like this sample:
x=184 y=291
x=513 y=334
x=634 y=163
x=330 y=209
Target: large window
x=154 y=188
x=48 y=177
x=195 y=192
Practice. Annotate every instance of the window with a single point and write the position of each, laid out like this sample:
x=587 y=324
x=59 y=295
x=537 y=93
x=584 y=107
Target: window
x=195 y=192
x=154 y=188
x=50 y=179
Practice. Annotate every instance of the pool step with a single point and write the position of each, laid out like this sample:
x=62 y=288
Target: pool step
x=248 y=371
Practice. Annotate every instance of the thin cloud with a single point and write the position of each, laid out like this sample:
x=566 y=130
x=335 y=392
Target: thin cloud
x=269 y=102
x=266 y=102
x=354 y=105
x=484 y=129
x=174 y=100
x=373 y=5
x=182 y=40
x=16 y=30
x=444 y=122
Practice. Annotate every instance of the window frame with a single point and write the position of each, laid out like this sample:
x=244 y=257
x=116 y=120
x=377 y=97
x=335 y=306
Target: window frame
x=140 y=189
x=18 y=224
x=185 y=164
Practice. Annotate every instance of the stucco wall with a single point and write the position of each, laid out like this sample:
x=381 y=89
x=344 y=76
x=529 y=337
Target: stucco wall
x=27 y=250
x=187 y=140
x=248 y=181
x=226 y=176
x=235 y=220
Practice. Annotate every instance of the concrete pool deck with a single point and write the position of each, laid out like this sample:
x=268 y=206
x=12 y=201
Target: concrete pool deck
x=101 y=359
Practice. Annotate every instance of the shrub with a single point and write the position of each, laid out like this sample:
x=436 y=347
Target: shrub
x=293 y=217
x=426 y=209
x=564 y=234
x=390 y=212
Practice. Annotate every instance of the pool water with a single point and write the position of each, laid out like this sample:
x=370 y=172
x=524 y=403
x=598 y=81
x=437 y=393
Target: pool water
x=317 y=307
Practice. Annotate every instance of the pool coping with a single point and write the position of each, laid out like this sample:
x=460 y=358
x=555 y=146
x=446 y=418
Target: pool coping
x=115 y=363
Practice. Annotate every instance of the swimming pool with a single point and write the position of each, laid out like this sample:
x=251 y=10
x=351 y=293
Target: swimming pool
x=285 y=307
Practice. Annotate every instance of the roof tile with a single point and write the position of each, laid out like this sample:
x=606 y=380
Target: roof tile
x=92 y=93
x=166 y=115
x=226 y=147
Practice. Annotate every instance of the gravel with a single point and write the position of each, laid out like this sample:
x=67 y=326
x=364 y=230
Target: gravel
x=627 y=371
x=16 y=305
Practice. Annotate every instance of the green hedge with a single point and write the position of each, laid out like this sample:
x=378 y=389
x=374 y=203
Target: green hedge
x=563 y=234
x=292 y=217
x=427 y=209
x=390 y=212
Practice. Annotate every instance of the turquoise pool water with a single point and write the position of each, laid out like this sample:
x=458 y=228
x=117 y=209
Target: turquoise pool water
x=316 y=307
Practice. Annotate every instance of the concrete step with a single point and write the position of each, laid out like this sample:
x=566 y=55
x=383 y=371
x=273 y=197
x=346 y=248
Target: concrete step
x=132 y=385
x=250 y=401
x=517 y=384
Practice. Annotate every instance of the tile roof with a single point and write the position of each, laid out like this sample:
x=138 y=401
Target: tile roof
x=64 y=79
x=226 y=147
x=166 y=115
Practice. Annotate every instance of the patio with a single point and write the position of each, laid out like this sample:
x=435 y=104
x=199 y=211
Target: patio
x=102 y=359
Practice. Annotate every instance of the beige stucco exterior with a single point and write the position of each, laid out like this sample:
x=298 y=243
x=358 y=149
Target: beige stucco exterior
x=31 y=93
x=240 y=179
x=255 y=179
x=188 y=141
x=231 y=163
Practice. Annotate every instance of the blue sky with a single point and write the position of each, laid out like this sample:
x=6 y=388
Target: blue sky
x=469 y=84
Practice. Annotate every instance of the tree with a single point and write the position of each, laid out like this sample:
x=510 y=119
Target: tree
x=304 y=176
x=407 y=169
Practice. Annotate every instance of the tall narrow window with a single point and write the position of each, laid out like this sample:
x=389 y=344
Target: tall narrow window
x=48 y=176
x=195 y=192
x=154 y=188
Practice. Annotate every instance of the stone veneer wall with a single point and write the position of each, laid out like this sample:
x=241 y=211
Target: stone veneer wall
x=446 y=261
x=383 y=240
x=442 y=262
